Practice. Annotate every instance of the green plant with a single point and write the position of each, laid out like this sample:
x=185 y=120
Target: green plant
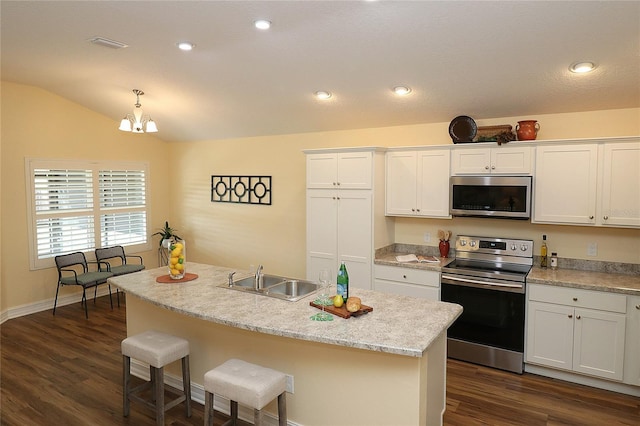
x=166 y=233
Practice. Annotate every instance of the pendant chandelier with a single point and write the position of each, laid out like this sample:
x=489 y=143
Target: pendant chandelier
x=138 y=122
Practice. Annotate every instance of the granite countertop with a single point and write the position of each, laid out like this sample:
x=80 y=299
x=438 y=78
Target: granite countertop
x=588 y=280
x=398 y=324
x=387 y=256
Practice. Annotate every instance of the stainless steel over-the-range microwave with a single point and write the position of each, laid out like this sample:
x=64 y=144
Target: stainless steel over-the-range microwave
x=491 y=196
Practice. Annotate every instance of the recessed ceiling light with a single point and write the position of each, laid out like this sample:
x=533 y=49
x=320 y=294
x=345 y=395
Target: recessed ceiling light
x=402 y=90
x=185 y=45
x=321 y=94
x=262 y=24
x=582 y=67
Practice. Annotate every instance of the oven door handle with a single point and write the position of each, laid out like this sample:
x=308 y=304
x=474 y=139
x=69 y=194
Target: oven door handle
x=483 y=284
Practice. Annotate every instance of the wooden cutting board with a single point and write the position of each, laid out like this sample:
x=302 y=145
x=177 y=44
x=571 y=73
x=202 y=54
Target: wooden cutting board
x=342 y=310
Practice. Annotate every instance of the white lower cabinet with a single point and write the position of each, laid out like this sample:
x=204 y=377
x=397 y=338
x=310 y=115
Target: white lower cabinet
x=576 y=330
x=632 y=343
x=407 y=282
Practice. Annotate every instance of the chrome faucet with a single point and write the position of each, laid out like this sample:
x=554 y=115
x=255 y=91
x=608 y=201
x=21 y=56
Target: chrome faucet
x=258 y=280
x=231 y=274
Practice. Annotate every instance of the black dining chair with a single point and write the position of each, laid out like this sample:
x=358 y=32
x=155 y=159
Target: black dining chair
x=114 y=260
x=73 y=269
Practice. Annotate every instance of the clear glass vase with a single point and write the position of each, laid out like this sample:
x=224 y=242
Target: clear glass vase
x=177 y=255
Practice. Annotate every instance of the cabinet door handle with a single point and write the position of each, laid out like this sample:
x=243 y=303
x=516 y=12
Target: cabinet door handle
x=577 y=316
x=591 y=217
x=486 y=167
x=575 y=299
x=570 y=316
x=418 y=210
x=338 y=198
x=606 y=218
x=413 y=210
x=338 y=183
x=333 y=198
x=334 y=184
x=637 y=306
x=493 y=167
x=404 y=276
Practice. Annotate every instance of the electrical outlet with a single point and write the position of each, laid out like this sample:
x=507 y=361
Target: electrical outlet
x=289 y=383
x=592 y=249
x=427 y=237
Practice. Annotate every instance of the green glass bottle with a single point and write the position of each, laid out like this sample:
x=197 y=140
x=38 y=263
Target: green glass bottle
x=343 y=282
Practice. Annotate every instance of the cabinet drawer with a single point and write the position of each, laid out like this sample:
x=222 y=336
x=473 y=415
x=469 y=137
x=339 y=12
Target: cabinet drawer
x=405 y=289
x=408 y=275
x=578 y=298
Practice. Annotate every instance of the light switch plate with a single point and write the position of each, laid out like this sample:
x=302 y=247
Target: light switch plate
x=427 y=237
x=592 y=249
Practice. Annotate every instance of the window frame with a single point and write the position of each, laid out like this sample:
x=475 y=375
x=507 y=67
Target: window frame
x=96 y=212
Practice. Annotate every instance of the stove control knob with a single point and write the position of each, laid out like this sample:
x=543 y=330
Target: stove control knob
x=463 y=242
x=514 y=247
x=524 y=247
x=472 y=243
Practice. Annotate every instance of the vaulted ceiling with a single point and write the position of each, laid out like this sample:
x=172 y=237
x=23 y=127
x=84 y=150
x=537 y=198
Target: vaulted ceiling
x=479 y=58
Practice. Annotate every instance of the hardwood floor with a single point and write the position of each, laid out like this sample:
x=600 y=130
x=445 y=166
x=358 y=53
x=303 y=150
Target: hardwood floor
x=66 y=370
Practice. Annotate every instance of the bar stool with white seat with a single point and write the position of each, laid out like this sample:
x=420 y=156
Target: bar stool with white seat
x=158 y=350
x=248 y=384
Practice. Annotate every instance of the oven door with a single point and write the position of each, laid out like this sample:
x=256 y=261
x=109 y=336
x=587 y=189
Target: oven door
x=493 y=312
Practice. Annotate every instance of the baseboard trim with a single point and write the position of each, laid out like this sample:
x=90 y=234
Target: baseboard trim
x=583 y=380
x=44 y=305
x=220 y=404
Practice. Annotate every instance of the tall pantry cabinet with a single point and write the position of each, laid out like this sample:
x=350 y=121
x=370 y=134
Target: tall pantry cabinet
x=345 y=212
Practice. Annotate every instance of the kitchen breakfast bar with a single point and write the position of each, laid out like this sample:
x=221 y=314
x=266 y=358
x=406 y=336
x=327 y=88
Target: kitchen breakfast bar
x=387 y=367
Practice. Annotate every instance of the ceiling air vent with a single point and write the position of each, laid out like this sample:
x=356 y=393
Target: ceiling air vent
x=101 y=41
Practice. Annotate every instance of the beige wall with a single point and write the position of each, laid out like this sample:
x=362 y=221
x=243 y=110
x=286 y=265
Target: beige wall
x=39 y=124
x=239 y=235
x=36 y=123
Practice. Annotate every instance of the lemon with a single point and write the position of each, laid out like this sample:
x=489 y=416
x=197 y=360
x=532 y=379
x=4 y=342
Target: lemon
x=174 y=260
x=175 y=272
x=180 y=267
x=338 y=301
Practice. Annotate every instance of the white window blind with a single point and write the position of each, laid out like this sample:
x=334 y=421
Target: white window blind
x=79 y=206
x=123 y=218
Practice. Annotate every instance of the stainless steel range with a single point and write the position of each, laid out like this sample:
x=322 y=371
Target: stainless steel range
x=487 y=279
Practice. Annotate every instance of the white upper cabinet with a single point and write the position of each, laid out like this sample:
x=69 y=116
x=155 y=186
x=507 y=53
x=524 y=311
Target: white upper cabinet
x=565 y=184
x=340 y=170
x=620 y=197
x=588 y=184
x=509 y=160
x=417 y=183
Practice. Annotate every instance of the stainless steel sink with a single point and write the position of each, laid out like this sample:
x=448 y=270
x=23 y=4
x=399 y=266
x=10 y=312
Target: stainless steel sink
x=275 y=286
x=268 y=281
x=292 y=289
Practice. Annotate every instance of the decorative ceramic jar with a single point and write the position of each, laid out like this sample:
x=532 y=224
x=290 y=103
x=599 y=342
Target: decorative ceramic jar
x=527 y=130
x=444 y=248
x=177 y=259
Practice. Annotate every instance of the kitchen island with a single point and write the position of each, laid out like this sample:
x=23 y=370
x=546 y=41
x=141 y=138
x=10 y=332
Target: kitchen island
x=386 y=367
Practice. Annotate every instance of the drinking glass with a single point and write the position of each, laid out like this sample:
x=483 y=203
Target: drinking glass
x=324 y=279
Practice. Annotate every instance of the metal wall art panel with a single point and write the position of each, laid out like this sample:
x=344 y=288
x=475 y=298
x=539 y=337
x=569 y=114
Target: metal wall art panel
x=241 y=189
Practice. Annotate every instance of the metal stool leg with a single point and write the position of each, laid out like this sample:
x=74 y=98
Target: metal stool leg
x=126 y=384
x=186 y=385
x=159 y=392
x=282 y=409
